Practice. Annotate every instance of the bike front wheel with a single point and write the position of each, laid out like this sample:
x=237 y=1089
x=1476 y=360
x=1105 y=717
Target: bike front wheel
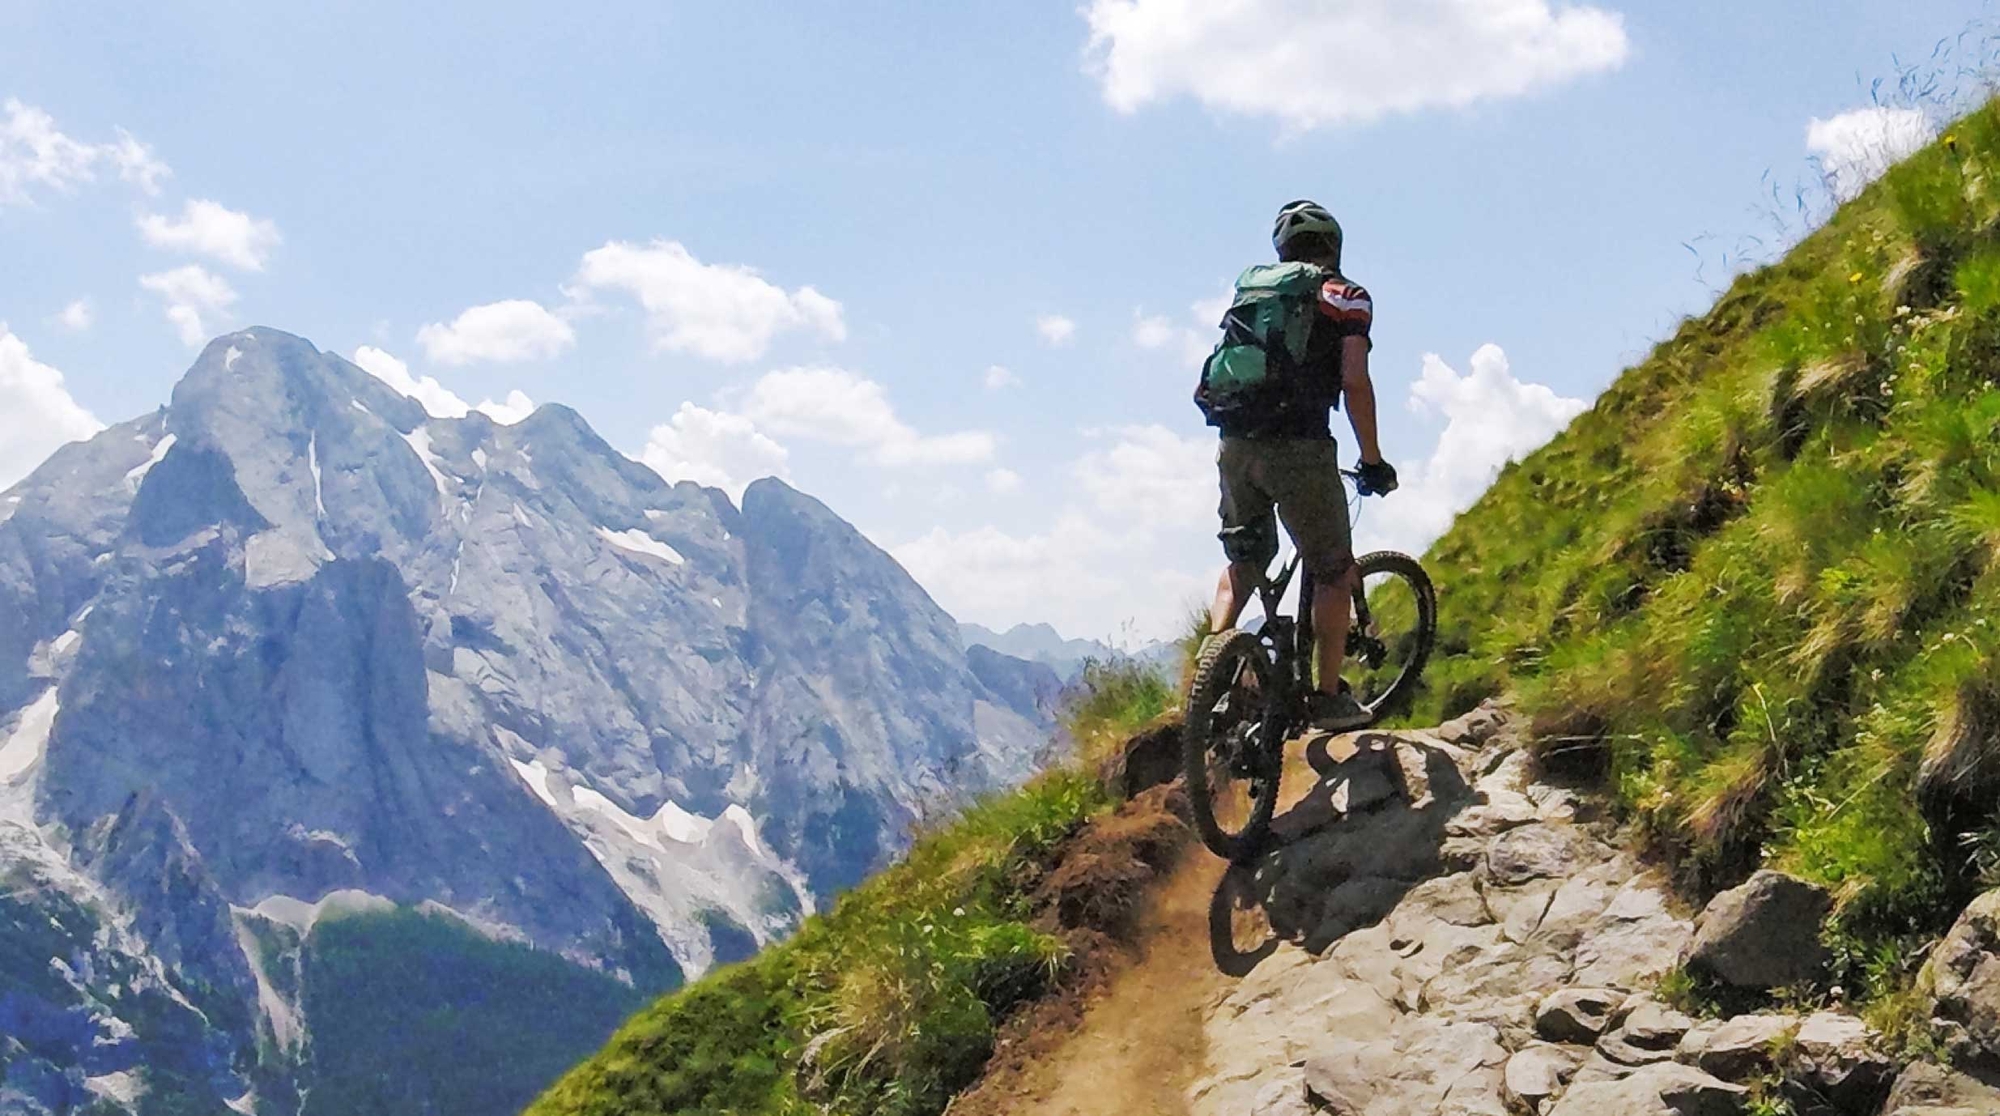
x=1232 y=744
x=1390 y=637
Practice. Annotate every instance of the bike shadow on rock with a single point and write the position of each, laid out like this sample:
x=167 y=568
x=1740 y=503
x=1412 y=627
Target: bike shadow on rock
x=1341 y=857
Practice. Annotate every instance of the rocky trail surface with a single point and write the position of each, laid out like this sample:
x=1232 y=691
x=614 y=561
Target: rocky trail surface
x=1440 y=930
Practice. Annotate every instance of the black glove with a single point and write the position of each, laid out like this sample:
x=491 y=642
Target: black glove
x=1375 y=478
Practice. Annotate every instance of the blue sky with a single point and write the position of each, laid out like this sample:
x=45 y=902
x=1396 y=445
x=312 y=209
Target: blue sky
x=802 y=238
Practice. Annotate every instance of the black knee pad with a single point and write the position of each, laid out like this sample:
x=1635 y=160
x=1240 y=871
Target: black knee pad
x=1252 y=544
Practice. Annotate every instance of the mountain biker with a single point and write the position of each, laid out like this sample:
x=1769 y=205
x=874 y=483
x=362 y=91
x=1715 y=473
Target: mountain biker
x=1278 y=451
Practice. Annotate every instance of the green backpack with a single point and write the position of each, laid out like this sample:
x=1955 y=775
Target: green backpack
x=1254 y=369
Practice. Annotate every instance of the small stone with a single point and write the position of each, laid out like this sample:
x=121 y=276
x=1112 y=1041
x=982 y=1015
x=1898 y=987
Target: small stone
x=1502 y=811
x=1735 y=1049
x=1763 y=934
x=1838 y=1063
x=1664 y=1089
x=1634 y=940
x=1540 y=851
x=1576 y=1015
x=1283 y=1098
x=1649 y=1033
x=1345 y=1076
x=1928 y=1088
x=1538 y=1071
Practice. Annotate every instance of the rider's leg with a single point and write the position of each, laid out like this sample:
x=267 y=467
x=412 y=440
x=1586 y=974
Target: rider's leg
x=1249 y=532
x=1332 y=611
x=1232 y=594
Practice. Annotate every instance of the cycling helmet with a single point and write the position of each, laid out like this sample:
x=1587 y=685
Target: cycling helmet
x=1305 y=218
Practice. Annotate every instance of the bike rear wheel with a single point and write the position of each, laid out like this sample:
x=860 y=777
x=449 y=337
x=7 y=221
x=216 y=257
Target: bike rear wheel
x=1393 y=628
x=1232 y=744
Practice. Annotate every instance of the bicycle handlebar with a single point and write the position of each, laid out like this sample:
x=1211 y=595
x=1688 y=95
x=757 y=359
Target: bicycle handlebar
x=1360 y=486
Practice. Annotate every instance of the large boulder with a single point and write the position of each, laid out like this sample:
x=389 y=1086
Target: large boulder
x=1964 y=973
x=1763 y=934
x=1576 y=1014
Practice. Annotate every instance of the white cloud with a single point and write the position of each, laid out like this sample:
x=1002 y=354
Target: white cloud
x=1102 y=568
x=514 y=329
x=37 y=414
x=213 y=230
x=437 y=400
x=136 y=163
x=1003 y=482
x=713 y=448
x=197 y=300
x=1855 y=148
x=834 y=405
x=34 y=153
x=1317 y=62
x=723 y=312
x=998 y=377
x=1089 y=581
x=1055 y=329
x=1151 y=476
x=1491 y=418
x=75 y=317
x=509 y=411
x=1190 y=340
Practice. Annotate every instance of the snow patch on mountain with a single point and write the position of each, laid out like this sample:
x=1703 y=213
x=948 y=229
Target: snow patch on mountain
x=419 y=440
x=139 y=471
x=319 y=483
x=639 y=542
x=676 y=864
x=29 y=737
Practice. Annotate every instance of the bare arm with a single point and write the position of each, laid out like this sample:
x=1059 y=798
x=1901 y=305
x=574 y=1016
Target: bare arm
x=1359 y=396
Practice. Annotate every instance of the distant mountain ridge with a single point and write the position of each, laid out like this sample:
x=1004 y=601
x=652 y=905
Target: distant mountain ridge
x=291 y=638
x=1041 y=643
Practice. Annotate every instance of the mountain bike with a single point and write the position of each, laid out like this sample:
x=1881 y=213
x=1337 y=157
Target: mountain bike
x=1250 y=688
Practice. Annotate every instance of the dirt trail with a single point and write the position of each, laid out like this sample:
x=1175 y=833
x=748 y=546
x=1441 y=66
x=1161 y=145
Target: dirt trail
x=1140 y=1044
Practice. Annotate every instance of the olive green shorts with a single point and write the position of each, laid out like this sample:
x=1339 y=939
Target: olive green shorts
x=1300 y=479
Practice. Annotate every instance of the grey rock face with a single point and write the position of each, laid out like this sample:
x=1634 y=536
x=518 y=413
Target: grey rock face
x=1665 y=1089
x=291 y=637
x=1763 y=934
x=1964 y=973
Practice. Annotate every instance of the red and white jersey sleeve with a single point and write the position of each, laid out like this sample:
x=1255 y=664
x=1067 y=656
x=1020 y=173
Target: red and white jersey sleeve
x=1348 y=305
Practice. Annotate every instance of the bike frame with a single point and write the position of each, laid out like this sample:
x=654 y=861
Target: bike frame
x=1290 y=639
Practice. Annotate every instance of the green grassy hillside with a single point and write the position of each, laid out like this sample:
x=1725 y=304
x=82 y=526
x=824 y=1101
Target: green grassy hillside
x=1754 y=585
x=889 y=1003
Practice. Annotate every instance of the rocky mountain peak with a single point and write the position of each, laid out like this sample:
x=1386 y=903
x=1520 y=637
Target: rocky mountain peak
x=294 y=638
